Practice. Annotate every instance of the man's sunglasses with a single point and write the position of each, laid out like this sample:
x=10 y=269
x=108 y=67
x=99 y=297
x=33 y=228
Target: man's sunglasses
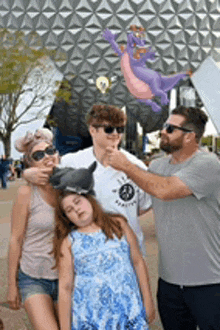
x=171 y=128
x=110 y=129
x=40 y=154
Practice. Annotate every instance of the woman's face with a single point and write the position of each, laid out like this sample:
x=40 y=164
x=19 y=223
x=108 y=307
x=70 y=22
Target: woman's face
x=78 y=210
x=44 y=155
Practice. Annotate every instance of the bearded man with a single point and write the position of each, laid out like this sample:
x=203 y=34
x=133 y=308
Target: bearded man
x=185 y=188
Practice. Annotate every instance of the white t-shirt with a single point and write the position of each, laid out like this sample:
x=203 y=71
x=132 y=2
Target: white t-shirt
x=114 y=190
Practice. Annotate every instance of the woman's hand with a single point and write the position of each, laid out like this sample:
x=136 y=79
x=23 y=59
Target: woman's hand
x=13 y=297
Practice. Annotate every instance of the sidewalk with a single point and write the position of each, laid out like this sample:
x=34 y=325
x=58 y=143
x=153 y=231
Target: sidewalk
x=18 y=320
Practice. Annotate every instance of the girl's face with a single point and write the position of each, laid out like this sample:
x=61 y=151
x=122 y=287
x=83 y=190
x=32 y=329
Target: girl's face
x=78 y=210
x=44 y=155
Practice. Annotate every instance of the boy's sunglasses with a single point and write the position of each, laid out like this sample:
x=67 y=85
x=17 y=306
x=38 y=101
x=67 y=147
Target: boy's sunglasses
x=40 y=154
x=171 y=128
x=110 y=129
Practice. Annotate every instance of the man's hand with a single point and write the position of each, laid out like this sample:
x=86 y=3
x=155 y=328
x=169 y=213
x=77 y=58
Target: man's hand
x=116 y=159
x=38 y=176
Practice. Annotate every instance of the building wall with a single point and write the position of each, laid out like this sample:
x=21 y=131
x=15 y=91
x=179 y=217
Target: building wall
x=181 y=32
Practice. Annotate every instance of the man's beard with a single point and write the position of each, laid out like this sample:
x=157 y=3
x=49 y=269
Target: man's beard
x=168 y=148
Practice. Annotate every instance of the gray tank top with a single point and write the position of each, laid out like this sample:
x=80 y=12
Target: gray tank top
x=36 y=259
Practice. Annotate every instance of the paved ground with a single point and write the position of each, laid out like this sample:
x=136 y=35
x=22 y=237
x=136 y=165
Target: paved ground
x=18 y=320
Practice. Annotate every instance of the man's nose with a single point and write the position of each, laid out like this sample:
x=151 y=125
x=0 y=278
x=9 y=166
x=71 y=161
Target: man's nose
x=163 y=131
x=115 y=132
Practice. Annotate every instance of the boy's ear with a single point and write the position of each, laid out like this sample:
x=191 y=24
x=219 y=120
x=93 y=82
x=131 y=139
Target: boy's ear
x=91 y=130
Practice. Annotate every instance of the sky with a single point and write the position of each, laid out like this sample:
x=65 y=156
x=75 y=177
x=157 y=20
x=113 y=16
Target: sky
x=48 y=77
x=210 y=128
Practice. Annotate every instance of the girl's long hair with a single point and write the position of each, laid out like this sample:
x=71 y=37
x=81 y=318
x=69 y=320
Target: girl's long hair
x=108 y=222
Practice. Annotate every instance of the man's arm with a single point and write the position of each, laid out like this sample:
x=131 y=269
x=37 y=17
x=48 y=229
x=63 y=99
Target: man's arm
x=165 y=188
x=37 y=176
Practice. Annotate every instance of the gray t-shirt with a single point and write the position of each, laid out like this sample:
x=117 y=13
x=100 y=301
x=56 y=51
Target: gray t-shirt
x=188 y=229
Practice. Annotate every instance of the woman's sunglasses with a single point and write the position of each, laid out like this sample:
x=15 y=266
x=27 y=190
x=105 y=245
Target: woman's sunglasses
x=171 y=128
x=40 y=154
x=110 y=129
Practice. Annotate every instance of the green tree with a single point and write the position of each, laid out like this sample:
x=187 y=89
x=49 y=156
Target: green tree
x=24 y=95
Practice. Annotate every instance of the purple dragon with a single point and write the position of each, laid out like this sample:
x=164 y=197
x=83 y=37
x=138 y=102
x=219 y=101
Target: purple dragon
x=142 y=82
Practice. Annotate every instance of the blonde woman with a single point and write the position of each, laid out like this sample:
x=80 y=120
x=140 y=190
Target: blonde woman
x=32 y=281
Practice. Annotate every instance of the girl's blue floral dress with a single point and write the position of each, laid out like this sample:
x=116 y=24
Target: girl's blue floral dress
x=106 y=293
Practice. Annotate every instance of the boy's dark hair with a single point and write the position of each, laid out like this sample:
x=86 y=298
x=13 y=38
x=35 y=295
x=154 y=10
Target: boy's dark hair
x=104 y=112
x=195 y=119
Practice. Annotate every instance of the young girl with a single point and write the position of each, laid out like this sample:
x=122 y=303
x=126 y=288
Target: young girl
x=103 y=279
